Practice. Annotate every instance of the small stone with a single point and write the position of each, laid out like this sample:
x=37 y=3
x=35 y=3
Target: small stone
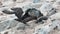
x=6 y=33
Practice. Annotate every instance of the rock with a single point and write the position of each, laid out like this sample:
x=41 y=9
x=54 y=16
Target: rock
x=57 y=23
x=30 y=5
x=0 y=4
x=20 y=26
x=8 y=3
x=20 y=1
x=47 y=28
x=7 y=25
x=45 y=8
x=52 y=11
x=57 y=5
x=50 y=1
x=5 y=18
x=29 y=31
x=6 y=33
x=36 y=1
x=55 y=16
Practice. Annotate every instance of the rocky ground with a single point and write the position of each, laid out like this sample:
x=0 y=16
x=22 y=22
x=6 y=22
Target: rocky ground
x=50 y=26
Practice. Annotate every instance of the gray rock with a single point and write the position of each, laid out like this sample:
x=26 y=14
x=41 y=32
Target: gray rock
x=48 y=28
x=7 y=24
x=36 y=1
x=45 y=8
x=57 y=5
x=55 y=16
x=51 y=12
x=57 y=23
x=20 y=26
